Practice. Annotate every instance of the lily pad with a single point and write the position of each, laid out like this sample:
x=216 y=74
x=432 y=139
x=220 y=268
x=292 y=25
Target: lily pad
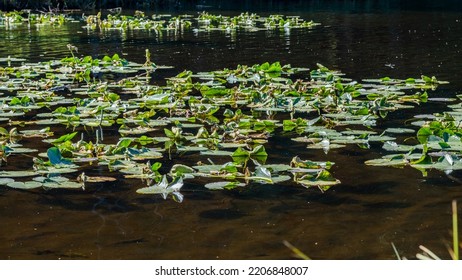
x=62 y=185
x=394 y=162
x=399 y=130
x=223 y=185
x=216 y=153
x=17 y=174
x=24 y=185
x=6 y=181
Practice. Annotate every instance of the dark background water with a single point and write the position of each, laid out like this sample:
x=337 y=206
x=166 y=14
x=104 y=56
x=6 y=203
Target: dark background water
x=357 y=219
x=241 y=5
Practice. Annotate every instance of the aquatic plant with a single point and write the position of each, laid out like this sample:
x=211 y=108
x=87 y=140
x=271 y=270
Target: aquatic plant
x=226 y=116
x=37 y=19
x=203 y=22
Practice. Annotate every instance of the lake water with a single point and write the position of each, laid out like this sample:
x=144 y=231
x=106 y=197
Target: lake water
x=357 y=219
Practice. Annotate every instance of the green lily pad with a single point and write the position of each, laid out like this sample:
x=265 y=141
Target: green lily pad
x=191 y=149
x=216 y=153
x=17 y=174
x=24 y=185
x=394 y=147
x=395 y=162
x=6 y=181
x=22 y=150
x=226 y=145
x=277 y=167
x=152 y=154
x=223 y=185
x=399 y=130
x=358 y=132
x=62 y=185
x=280 y=178
x=57 y=170
x=11 y=59
x=323 y=146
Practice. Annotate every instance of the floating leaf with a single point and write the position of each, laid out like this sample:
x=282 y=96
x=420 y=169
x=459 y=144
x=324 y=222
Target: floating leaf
x=57 y=170
x=322 y=179
x=24 y=185
x=6 y=181
x=99 y=179
x=62 y=185
x=17 y=174
x=180 y=169
x=223 y=185
x=395 y=162
x=216 y=153
x=399 y=130
x=164 y=188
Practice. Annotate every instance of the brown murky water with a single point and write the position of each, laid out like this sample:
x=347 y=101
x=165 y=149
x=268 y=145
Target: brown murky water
x=355 y=220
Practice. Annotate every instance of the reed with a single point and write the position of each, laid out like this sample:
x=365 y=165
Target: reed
x=455 y=232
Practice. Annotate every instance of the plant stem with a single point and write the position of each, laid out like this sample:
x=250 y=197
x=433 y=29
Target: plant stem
x=455 y=231
x=296 y=251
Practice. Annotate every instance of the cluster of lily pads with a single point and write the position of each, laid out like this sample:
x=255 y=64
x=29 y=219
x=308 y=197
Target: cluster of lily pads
x=225 y=116
x=204 y=22
x=26 y=16
x=437 y=143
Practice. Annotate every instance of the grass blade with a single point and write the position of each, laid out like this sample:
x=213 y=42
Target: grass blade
x=396 y=251
x=455 y=231
x=430 y=253
x=296 y=251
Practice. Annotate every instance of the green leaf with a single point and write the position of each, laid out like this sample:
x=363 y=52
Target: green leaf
x=362 y=112
x=274 y=68
x=15 y=101
x=229 y=167
x=115 y=57
x=4 y=132
x=259 y=151
x=410 y=81
x=169 y=133
x=223 y=185
x=17 y=174
x=240 y=155
x=265 y=66
x=24 y=185
x=423 y=134
x=425 y=160
x=180 y=169
x=213 y=92
x=288 y=125
x=444 y=145
x=144 y=140
x=125 y=143
x=426 y=79
x=156 y=166
x=65 y=138
x=263 y=174
x=385 y=79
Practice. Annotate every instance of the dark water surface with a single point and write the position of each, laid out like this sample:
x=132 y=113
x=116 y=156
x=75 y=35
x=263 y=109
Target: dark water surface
x=354 y=220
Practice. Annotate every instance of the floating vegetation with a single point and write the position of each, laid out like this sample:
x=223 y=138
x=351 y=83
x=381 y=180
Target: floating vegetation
x=437 y=144
x=203 y=22
x=106 y=113
x=26 y=16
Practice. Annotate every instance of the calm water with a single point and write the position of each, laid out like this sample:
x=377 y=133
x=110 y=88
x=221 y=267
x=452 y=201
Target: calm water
x=355 y=220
